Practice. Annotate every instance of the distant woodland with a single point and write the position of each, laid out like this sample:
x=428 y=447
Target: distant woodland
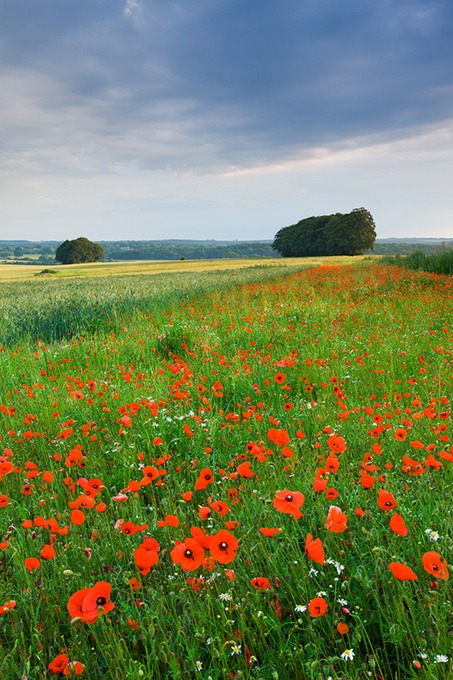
x=43 y=252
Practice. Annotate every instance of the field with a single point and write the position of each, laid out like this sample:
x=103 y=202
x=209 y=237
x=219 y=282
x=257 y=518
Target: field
x=227 y=473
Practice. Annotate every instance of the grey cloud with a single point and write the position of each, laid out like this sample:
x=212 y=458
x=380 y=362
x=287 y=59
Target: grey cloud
x=210 y=86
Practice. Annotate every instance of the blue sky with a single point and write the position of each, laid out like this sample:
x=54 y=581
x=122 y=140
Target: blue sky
x=149 y=119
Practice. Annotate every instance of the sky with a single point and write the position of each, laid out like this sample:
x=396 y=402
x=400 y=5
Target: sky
x=223 y=119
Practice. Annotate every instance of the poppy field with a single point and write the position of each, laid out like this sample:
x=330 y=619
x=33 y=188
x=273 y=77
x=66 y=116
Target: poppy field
x=217 y=475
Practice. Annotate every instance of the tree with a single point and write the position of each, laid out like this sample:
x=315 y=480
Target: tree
x=79 y=250
x=339 y=234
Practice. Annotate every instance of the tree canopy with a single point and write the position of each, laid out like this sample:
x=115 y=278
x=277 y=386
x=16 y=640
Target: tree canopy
x=79 y=250
x=339 y=234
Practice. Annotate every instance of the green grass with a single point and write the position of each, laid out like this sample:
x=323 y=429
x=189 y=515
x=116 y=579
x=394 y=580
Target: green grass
x=440 y=262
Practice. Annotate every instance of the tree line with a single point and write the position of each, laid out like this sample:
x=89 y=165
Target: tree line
x=340 y=234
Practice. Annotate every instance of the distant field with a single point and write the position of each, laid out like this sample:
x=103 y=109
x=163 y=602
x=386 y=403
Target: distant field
x=24 y=272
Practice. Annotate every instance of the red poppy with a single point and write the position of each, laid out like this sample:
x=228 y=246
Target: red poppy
x=278 y=437
x=260 y=583
x=48 y=552
x=402 y=572
x=289 y=502
x=433 y=564
x=367 y=481
x=270 y=532
x=150 y=473
x=90 y=603
x=145 y=559
x=244 y=470
x=317 y=607
x=336 y=443
x=400 y=434
x=342 y=628
x=223 y=546
x=336 y=520
x=397 y=525
x=58 y=664
x=219 y=507
x=201 y=537
x=314 y=549
x=32 y=563
x=74 y=668
x=204 y=478
x=331 y=494
x=385 y=500
x=189 y=555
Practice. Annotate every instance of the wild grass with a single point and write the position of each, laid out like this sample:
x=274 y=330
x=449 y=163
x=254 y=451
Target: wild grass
x=440 y=262
x=333 y=382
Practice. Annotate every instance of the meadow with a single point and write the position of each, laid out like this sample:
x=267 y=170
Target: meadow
x=218 y=474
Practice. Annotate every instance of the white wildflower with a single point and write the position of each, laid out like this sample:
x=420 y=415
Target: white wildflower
x=348 y=654
x=225 y=597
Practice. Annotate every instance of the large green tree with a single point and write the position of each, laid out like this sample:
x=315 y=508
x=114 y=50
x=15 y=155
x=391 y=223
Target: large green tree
x=339 y=234
x=79 y=250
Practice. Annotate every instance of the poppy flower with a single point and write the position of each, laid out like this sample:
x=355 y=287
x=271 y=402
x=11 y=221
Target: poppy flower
x=400 y=434
x=201 y=537
x=289 y=502
x=342 y=628
x=11 y=604
x=314 y=549
x=74 y=668
x=278 y=437
x=397 y=525
x=48 y=552
x=189 y=554
x=269 y=532
x=90 y=603
x=204 y=478
x=336 y=521
x=145 y=559
x=244 y=470
x=150 y=473
x=385 y=500
x=219 y=507
x=336 y=443
x=331 y=494
x=402 y=572
x=433 y=564
x=32 y=563
x=367 y=481
x=204 y=512
x=260 y=583
x=223 y=546
x=317 y=607
x=58 y=664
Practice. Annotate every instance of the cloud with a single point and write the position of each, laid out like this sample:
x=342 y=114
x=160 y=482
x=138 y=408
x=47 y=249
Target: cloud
x=115 y=89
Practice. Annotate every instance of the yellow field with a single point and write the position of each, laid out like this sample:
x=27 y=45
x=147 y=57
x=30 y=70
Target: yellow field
x=24 y=272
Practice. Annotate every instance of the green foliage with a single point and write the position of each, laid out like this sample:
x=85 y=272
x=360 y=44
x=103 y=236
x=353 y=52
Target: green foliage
x=79 y=250
x=440 y=262
x=340 y=234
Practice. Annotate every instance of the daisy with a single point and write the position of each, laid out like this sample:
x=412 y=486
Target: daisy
x=348 y=654
x=441 y=658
